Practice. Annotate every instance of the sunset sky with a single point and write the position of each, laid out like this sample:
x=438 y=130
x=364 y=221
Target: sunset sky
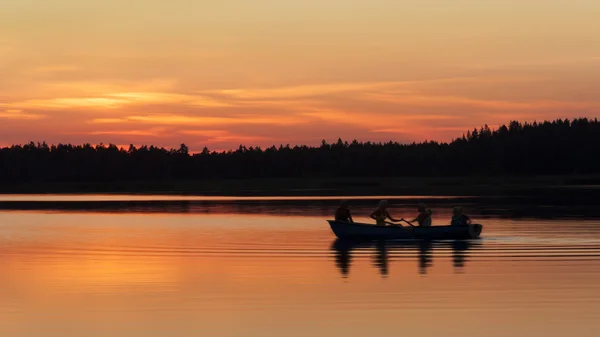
x=263 y=72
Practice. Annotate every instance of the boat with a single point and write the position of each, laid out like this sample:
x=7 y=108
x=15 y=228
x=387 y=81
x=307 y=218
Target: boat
x=363 y=231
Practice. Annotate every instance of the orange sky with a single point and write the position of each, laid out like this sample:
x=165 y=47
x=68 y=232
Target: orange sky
x=261 y=72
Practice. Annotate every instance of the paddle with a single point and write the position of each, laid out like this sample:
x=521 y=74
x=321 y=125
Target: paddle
x=396 y=225
x=392 y=224
x=408 y=223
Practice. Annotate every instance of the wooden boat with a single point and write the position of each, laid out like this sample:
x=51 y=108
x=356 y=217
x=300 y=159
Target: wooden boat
x=362 y=231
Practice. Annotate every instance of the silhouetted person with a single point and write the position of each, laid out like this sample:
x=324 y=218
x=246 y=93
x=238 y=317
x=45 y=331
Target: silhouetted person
x=381 y=214
x=424 y=217
x=458 y=218
x=343 y=213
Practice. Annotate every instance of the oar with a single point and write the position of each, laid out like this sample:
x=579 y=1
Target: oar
x=396 y=225
x=408 y=223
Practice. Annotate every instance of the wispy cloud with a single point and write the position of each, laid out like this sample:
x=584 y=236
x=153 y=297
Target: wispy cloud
x=533 y=63
x=320 y=90
x=223 y=136
x=169 y=98
x=202 y=120
x=120 y=100
x=52 y=69
x=300 y=91
x=154 y=132
x=18 y=114
x=448 y=101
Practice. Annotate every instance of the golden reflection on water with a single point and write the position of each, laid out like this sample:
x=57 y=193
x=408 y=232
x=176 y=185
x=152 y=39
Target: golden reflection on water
x=78 y=274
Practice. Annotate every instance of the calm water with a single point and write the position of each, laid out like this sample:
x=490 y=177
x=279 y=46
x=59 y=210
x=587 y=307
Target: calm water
x=158 y=266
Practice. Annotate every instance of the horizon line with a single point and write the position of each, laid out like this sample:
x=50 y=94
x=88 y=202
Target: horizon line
x=322 y=141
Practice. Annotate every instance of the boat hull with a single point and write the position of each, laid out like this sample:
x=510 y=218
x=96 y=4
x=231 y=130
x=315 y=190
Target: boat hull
x=361 y=231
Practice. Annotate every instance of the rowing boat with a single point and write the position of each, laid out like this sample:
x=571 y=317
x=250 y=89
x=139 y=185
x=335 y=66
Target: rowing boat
x=346 y=230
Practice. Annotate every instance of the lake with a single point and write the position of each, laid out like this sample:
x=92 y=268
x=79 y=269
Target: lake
x=192 y=266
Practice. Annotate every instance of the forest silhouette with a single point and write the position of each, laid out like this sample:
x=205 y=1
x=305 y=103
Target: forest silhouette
x=556 y=147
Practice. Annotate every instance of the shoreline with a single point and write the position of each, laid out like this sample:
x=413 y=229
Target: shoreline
x=326 y=187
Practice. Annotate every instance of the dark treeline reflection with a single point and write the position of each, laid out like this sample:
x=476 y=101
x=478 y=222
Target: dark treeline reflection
x=481 y=209
x=557 y=147
x=384 y=251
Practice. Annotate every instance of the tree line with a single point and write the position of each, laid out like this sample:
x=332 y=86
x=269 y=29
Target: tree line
x=561 y=146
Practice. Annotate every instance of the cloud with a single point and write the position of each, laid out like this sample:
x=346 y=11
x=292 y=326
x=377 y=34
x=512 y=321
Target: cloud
x=108 y=120
x=299 y=91
x=319 y=90
x=55 y=69
x=120 y=100
x=535 y=63
x=152 y=132
x=449 y=101
x=18 y=114
x=225 y=136
x=62 y=103
x=166 y=119
x=169 y=98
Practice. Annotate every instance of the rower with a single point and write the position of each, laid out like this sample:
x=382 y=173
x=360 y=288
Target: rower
x=381 y=214
x=458 y=218
x=343 y=213
x=424 y=217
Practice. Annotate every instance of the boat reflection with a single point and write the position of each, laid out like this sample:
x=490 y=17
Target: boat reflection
x=343 y=251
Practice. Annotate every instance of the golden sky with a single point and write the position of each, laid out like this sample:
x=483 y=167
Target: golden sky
x=263 y=72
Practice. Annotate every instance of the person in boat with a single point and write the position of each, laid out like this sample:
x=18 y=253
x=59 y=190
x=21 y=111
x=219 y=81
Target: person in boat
x=424 y=217
x=459 y=218
x=343 y=213
x=381 y=214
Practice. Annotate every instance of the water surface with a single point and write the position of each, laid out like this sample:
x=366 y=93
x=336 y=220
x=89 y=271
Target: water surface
x=92 y=266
